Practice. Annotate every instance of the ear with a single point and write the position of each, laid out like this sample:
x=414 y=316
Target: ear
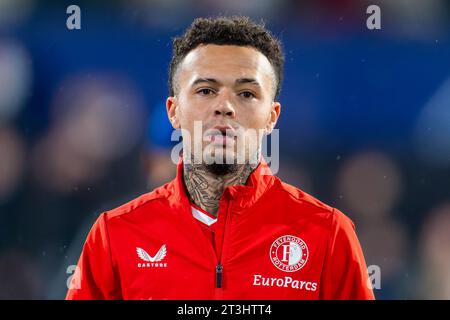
x=172 y=112
x=273 y=117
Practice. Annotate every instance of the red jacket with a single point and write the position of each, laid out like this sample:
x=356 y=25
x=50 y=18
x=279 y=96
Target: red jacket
x=269 y=241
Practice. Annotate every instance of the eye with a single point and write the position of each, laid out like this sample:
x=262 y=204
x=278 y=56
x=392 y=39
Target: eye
x=205 y=92
x=247 y=94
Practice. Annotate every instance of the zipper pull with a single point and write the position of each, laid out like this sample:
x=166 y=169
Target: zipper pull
x=219 y=269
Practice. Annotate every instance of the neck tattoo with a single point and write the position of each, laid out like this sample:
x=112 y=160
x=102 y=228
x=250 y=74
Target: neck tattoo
x=205 y=187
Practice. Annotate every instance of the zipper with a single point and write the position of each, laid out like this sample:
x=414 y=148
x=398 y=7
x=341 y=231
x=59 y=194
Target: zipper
x=219 y=266
x=219 y=269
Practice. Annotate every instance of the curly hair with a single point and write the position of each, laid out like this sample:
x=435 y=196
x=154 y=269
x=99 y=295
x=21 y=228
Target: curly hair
x=235 y=30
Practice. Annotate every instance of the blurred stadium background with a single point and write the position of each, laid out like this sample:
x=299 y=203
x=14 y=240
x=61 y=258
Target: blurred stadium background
x=365 y=126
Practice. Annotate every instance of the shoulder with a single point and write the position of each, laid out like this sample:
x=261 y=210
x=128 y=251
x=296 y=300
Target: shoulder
x=144 y=203
x=304 y=203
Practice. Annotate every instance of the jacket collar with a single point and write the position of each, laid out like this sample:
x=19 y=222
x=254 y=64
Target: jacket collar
x=244 y=195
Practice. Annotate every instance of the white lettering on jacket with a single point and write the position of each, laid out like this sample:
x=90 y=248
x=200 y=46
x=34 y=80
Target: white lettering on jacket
x=286 y=282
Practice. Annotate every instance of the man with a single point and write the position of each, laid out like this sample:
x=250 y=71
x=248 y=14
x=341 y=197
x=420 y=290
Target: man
x=225 y=227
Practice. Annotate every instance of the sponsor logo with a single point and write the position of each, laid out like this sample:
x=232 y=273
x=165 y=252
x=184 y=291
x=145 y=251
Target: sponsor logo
x=152 y=262
x=286 y=282
x=289 y=253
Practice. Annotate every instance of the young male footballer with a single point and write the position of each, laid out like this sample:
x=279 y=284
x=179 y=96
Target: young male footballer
x=225 y=227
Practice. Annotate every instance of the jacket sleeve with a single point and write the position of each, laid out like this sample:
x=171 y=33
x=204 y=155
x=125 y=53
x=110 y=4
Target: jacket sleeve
x=345 y=274
x=94 y=277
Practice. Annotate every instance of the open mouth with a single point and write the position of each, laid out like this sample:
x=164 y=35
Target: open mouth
x=222 y=139
x=222 y=136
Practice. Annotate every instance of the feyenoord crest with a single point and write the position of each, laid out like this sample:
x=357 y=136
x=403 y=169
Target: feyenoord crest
x=289 y=253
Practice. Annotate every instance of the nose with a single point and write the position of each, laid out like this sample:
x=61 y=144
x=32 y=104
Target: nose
x=225 y=107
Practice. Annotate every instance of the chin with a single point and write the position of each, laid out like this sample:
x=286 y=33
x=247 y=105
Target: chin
x=222 y=156
x=221 y=169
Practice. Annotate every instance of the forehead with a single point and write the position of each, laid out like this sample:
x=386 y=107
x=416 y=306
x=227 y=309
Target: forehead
x=226 y=62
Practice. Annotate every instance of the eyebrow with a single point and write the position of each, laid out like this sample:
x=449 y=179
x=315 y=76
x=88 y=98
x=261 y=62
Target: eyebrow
x=217 y=82
x=247 y=80
x=208 y=80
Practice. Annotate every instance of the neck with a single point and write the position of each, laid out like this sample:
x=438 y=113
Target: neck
x=205 y=187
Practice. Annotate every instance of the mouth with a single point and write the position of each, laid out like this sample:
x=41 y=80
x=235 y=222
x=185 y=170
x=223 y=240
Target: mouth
x=221 y=135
